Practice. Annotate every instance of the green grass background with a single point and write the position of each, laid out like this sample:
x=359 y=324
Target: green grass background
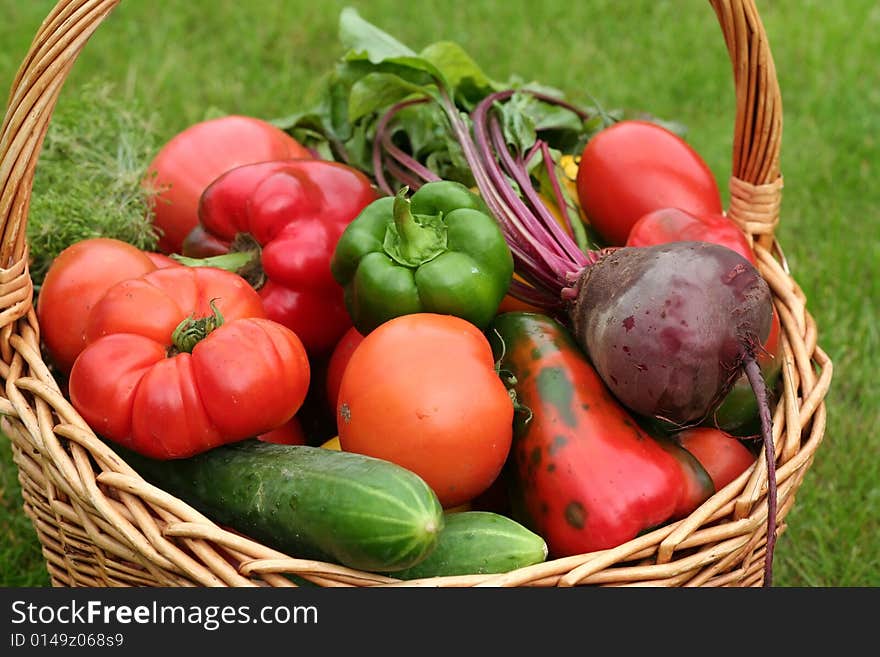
x=182 y=57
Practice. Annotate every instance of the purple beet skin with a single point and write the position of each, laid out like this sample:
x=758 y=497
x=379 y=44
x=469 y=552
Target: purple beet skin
x=669 y=327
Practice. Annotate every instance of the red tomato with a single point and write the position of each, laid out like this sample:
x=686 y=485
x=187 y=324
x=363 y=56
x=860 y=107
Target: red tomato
x=289 y=433
x=635 y=167
x=143 y=384
x=674 y=225
x=77 y=278
x=192 y=159
x=421 y=391
x=161 y=260
x=338 y=362
x=723 y=456
x=154 y=304
x=771 y=353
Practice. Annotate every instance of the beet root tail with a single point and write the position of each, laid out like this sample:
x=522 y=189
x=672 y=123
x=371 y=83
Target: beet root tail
x=756 y=380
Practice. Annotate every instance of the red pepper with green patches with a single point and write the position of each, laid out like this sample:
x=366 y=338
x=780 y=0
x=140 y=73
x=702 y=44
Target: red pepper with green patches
x=583 y=474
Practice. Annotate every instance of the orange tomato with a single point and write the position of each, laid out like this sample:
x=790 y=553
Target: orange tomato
x=422 y=391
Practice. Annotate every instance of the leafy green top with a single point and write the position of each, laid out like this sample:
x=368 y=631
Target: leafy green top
x=377 y=72
x=88 y=177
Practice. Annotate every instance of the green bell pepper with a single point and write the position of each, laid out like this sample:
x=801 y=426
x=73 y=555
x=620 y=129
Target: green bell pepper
x=440 y=251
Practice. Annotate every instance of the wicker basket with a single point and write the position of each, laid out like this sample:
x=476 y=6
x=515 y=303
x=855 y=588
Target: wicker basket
x=100 y=524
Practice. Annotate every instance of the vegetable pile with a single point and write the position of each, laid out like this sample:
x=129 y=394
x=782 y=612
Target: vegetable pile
x=433 y=325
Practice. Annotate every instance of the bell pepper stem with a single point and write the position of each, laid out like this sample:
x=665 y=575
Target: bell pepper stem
x=245 y=258
x=417 y=242
x=233 y=262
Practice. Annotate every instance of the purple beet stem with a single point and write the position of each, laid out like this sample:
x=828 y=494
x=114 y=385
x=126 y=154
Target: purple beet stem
x=756 y=379
x=409 y=164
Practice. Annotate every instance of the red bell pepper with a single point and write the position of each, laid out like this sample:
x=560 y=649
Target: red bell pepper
x=280 y=221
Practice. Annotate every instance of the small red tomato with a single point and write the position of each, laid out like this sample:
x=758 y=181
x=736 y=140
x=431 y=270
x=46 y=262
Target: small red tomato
x=338 y=362
x=723 y=456
x=632 y=168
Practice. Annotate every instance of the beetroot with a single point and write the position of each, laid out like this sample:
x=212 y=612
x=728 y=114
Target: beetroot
x=669 y=327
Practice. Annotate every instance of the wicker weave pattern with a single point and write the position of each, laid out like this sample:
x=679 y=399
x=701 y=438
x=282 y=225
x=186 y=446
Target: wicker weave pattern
x=100 y=524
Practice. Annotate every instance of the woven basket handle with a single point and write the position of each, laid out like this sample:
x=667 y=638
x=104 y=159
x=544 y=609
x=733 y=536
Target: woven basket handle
x=32 y=99
x=755 y=183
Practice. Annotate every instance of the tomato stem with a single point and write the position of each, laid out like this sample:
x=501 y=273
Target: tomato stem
x=509 y=379
x=193 y=330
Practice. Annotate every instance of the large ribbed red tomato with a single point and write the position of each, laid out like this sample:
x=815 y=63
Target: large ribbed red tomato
x=193 y=158
x=182 y=360
x=634 y=167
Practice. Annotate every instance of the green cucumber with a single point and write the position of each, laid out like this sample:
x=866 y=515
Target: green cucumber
x=308 y=502
x=479 y=542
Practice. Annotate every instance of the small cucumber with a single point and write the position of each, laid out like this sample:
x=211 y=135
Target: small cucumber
x=479 y=542
x=309 y=502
